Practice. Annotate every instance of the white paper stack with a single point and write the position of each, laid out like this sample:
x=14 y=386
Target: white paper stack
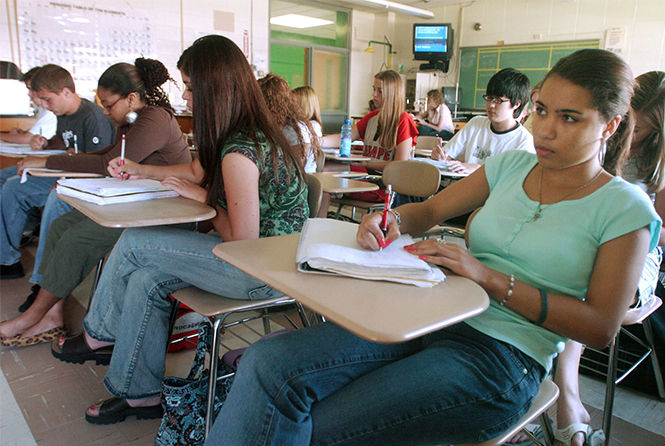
x=104 y=191
x=24 y=149
x=329 y=246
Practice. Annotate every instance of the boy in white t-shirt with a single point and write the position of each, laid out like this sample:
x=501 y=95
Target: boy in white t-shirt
x=506 y=95
x=45 y=120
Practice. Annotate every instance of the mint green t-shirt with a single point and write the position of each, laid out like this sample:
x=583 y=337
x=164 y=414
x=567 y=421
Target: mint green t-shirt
x=282 y=198
x=555 y=252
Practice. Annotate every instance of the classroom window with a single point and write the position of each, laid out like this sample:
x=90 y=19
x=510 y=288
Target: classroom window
x=312 y=49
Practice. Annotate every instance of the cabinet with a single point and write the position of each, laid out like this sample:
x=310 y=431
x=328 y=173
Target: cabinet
x=416 y=87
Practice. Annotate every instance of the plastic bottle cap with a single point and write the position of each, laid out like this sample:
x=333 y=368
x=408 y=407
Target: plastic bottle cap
x=346 y=121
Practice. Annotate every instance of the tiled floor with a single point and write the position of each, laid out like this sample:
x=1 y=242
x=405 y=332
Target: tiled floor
x=43 y=400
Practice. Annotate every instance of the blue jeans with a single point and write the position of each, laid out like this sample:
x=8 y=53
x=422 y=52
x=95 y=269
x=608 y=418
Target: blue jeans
x=323 y=386
x=17 y=200
x=131 y=309
x=53 y=209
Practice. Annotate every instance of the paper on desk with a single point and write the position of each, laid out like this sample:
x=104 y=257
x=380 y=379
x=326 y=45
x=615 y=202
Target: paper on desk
x=330 y=245
x=113 y=190
x=24 y=149
x=24 y=175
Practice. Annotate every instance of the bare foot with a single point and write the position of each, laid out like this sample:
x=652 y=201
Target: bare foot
x=53 y=318
x=18 y=325
x=570 y=410
x=93 y=410
x=93 y=343
x=517 y=438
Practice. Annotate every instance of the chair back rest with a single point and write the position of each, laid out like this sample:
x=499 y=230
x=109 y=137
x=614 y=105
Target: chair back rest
x=425 y=142
x=413 y=178
x=314 y=194
x=637 y=315
x=320 y=162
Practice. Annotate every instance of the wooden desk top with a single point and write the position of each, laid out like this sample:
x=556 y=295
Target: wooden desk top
x=339 y=185
x=50 y=173
x=379 y=311
x=347 y=159
x=161 y=211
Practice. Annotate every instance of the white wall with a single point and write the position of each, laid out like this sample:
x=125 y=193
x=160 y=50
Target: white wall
x=523 y=21
x=173 y=30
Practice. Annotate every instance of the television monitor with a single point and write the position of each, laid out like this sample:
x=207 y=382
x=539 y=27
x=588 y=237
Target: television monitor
x=432 y=41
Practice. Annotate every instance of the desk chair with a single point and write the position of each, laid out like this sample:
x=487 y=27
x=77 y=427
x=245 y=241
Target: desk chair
x=546 y=396
x=406 y=177
x=426 y=142
x=218 y=308
x=614 y=364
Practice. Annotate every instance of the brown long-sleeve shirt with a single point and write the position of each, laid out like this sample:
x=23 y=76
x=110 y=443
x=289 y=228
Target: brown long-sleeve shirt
x=155 y=138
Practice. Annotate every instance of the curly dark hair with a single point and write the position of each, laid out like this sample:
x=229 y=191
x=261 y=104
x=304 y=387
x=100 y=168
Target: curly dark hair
x=286 y=111
x=144 y=78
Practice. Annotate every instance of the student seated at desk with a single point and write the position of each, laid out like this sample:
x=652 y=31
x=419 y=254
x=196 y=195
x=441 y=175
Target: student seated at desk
x=506 y=95
x=70 y=244
x=645 y=167
x=571 y=240
x=388 y=132
x=45 y=121
x=437 y=121
x=248 y=171
x=287 y=114
x=80 y=123
x=309 y=105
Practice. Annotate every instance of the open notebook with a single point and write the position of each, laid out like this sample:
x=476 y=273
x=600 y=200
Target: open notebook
x=113 y=190
x=329 y=246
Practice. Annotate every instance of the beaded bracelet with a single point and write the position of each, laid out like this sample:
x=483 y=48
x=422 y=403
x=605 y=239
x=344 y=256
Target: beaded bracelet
x=543 y=307
x=398 y=218
x=511 y=286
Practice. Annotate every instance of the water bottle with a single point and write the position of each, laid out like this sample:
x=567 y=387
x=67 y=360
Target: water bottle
x=345 y=146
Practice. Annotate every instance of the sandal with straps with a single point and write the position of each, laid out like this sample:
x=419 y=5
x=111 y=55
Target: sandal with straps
x=591 y=437
x=115 y=410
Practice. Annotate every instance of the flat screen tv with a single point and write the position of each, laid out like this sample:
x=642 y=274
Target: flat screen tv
x=432 y=41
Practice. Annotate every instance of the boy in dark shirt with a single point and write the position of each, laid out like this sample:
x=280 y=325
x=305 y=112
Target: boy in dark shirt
x=81 y=127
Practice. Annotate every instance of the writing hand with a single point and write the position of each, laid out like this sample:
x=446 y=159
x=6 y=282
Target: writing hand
x=128 y=170
x=370 y=235
x=438 y=153
x=38 y=142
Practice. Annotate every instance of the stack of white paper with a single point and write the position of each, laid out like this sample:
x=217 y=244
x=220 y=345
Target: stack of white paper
x=328 y=245
x=24 y=149
x=113 y=190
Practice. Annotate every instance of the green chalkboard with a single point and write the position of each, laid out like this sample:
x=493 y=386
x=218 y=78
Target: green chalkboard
x=478 y=64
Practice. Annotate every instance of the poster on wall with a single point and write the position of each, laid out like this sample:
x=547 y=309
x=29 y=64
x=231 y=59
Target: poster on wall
x=83 y=37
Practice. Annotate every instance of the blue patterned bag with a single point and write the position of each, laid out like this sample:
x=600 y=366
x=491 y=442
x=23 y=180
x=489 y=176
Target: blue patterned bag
x=184 y=399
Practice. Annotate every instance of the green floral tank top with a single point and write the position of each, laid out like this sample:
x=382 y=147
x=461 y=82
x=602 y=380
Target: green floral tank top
x=282 y=198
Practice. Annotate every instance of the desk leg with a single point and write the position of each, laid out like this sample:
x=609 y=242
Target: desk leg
x=325 y=204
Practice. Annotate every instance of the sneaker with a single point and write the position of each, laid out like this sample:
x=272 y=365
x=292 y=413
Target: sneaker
x=30 y=299
x=14 y=271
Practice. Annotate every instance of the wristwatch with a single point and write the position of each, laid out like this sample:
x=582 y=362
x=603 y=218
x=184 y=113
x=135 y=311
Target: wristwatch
x=398 y=218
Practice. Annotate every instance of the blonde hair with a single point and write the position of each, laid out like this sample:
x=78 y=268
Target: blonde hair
x=309 y=103
x=392 y=90
x=649 y=100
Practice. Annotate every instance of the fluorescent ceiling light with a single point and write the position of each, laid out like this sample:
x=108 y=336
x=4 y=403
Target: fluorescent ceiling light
x=393 y=6
x=298 y=21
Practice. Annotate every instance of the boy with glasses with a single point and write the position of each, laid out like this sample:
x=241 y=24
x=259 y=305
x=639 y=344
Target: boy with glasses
x=80 y=125
x=507 y=94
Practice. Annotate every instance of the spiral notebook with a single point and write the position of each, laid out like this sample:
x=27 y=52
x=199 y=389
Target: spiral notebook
x=329 y=246
x=105 y=191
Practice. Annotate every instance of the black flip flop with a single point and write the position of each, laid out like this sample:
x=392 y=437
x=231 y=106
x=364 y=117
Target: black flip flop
x=77 y=351
x=115 y=410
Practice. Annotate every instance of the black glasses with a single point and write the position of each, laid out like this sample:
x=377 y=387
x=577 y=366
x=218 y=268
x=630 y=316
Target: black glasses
x=109 y=107
x=494 y=99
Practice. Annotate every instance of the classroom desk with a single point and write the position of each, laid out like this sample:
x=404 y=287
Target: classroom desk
x=49 y=173
x=379 y=311
x=160 y=211
x=353 y=158
x=332 y=184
